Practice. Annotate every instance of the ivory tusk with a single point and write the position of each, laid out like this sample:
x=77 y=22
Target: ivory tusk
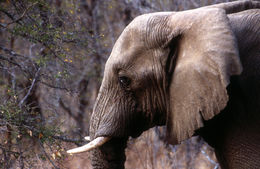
x=87 y=138
x=97 y=142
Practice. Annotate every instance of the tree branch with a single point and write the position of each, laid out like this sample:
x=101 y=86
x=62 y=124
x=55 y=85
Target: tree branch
x=10 y=61
x=42 y=147
x=31 y=87
x=57 y=87
x=10 y=52
x=23 y=14
x=67 y=109
x=7 y=14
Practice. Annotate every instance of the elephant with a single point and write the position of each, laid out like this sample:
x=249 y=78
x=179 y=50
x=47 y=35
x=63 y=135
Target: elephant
x=197 y=72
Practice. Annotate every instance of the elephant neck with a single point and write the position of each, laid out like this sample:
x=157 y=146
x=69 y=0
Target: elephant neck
x=111 y=155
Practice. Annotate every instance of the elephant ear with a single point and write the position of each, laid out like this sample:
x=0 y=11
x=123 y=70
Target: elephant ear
x=206 y=57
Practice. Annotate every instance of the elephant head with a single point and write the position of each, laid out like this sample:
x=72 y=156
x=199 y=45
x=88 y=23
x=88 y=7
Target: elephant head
x=166 y=68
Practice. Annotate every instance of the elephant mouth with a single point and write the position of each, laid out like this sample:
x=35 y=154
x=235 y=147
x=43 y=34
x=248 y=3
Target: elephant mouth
x=111 y=131
x=97 y=142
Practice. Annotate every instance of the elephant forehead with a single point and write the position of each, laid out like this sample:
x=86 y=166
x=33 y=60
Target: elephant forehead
x=133 y=44
x=132 y=36
x=129 y=45
x=138 y=32
x=129 y=57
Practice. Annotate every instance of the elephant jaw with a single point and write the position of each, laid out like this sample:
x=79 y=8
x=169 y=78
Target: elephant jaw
x=97 y=142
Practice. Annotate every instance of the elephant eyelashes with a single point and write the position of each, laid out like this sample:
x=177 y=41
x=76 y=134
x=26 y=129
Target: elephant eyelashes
x=124 y=81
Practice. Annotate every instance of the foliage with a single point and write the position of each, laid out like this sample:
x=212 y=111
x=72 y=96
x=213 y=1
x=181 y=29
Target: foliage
x=41 y=26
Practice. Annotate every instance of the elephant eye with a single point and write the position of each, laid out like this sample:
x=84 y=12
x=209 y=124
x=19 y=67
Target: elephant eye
x=124 y=81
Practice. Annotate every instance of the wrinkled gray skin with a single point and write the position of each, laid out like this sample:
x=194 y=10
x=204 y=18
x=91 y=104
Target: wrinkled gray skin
x=196 y=71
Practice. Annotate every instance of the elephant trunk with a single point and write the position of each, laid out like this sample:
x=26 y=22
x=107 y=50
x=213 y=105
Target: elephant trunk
x=110 y=155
